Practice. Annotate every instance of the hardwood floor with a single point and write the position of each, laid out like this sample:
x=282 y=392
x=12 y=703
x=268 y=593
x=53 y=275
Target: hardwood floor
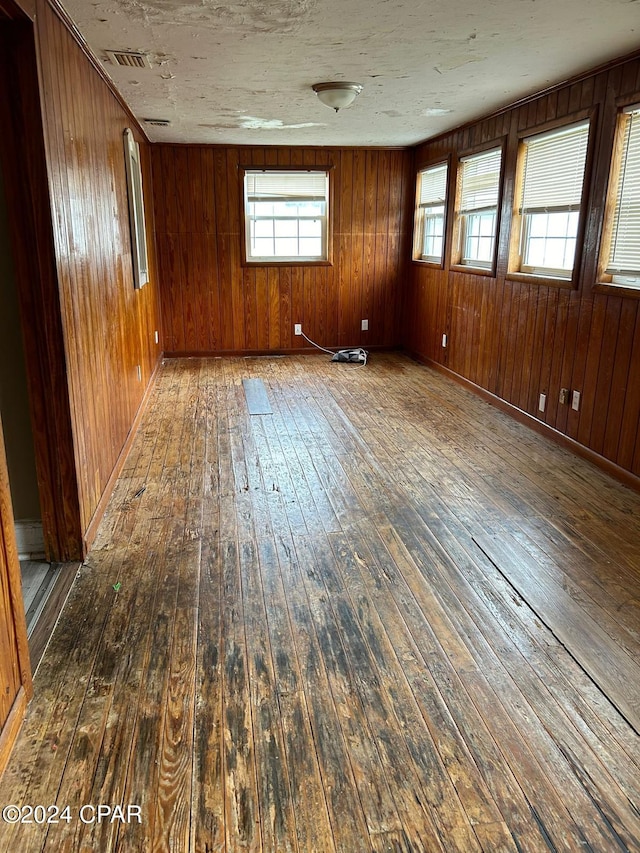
x=353 y=624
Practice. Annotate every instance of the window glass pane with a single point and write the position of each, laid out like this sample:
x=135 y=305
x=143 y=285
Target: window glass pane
x=538 y=225
x=263 y=248
x=286 y=227
x=550 y=242
x=485 y=245
x=315 y=209
x=434 y=225
x=287 y=248
x=311 y=247
x=310 y=228
x=486 y=225
x=284 y=208
x=433 y=246
x=261 y=209
x=263 y=227
x=433 y=233
x=479 y=240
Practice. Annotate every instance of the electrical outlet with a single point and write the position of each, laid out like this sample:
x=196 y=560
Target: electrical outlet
x=575 y=401
x=444 y=340
x=564 y=396
x=542 y=402
x=365 y=325
x=297 y=329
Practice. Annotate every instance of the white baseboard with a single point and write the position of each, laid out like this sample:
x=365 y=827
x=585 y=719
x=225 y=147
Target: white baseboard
x=29 y=539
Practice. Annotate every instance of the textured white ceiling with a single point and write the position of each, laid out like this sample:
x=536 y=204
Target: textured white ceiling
x=241 y=72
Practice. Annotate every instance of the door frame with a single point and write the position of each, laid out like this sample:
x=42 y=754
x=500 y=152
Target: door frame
x=10 y=568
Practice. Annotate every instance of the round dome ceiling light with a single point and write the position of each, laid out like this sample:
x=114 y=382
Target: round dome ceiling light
x=337 y=95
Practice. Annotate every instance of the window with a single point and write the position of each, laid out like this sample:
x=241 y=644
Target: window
x=622 y=232
x=548 y=215
x=286 y=215
x=136 y=210
x=477 y=215
x=429 y=216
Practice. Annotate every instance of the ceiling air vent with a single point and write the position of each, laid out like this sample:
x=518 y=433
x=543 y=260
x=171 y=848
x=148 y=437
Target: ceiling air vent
x=157 y=122
x=129 y=58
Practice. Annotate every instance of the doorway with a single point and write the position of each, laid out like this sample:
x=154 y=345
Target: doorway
x=38 y=575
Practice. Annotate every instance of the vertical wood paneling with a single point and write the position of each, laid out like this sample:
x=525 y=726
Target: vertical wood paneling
x=518 y=339
x=108 y=325
x=357 y=225
x=630 y=426
x=211 y=303
x=605 y=372
x=297 y=302
x=620 y=378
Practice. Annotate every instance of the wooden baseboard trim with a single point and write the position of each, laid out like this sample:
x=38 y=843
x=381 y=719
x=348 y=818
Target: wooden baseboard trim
x=12 y=727
x=623 y=476
x=92 y=527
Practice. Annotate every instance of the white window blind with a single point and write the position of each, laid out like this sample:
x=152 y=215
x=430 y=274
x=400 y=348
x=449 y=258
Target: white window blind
x=624 y=255
x=480 y=181
x=433 y=186
x=286 y=186
x=554 y=170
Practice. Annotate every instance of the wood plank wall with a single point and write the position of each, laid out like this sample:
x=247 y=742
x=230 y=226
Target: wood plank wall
x=212 y=304
x=518 y=340
x=28 y=201
x=109 y=327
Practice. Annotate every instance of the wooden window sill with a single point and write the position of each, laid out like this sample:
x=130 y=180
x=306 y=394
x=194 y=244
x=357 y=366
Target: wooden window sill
x=469 y=270
x=616 y=290
x=542 y=280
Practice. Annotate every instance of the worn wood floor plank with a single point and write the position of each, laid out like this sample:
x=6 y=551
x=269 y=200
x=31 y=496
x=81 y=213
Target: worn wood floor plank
x=208 y=813
x=576 y=623
x=308 y=652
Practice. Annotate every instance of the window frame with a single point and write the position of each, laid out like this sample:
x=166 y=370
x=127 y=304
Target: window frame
x=253 y=263
x=419 y=219
x=546 y=276
x=604 y=280
x=458 y=264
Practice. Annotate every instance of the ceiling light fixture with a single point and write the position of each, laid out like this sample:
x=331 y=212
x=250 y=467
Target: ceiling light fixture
x=337 y=95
